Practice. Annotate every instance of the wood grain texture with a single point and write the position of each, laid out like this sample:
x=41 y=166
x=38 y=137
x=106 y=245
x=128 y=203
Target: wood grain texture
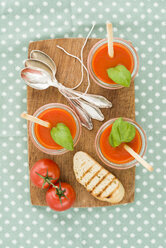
x=68 y=73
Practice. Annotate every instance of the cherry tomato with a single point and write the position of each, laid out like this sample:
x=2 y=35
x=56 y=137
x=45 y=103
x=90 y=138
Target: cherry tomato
x=47 y=169
x=62 y=198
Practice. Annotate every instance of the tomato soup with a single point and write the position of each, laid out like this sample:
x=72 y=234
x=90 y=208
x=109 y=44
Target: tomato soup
x=118 y=154
x=53 y=116
x=101 y=61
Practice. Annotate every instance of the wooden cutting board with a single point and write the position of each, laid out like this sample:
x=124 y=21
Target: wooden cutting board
x=68 y=73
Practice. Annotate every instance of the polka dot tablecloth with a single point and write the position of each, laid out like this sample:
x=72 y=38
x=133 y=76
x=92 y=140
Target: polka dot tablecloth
x=140 y=224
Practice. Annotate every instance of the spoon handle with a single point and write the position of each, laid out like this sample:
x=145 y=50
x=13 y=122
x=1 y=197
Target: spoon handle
x=138 y=158
x=35 y=120
x=97 y=100
x=93 y=111
x=82 y=114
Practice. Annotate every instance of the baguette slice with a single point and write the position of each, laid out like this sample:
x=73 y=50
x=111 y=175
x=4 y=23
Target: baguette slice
x=98 y=181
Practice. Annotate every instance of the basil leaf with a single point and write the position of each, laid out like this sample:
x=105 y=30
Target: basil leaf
x=62 y=136
x=122 y=131
x=120 y=75
x=114 y=137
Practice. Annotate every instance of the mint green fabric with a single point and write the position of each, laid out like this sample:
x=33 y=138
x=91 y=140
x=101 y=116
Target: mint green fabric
x=140 y=224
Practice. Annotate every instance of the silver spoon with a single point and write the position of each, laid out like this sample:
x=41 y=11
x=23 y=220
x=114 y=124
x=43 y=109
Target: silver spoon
x=83 y=116
x=98 y=101
x=34 y=63
x=40 y=74
x=41 y=56
x=93 y=111
x=39 y=79
x=36 y=78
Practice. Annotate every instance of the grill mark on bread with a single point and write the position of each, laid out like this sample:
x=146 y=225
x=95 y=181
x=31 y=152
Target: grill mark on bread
x=90 y=173
x=82 y=164
x=100 y=180
x=94 y=175
x=85 y=172
x=99 y=195
x=113 y=191
x=112 y=186
x=103 y=184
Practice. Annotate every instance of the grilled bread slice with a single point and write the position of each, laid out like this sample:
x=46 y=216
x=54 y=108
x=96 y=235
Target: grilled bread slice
x=98 y=181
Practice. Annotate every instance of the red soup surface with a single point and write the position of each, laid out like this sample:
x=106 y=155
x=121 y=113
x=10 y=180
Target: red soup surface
x=54 y=116
x=101 y=61
x=118 y=154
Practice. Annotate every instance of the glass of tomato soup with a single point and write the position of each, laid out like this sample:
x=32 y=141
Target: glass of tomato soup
x=118 y=157
x=54 y=113
x=99 y=61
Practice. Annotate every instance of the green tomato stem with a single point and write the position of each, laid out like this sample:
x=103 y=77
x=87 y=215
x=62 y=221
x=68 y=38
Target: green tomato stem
x=59 y=190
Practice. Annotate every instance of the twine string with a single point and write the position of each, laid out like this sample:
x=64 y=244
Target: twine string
x=62 y=88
